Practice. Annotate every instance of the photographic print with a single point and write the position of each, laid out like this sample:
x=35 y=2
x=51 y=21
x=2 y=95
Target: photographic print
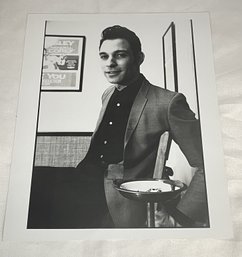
x=132 y=152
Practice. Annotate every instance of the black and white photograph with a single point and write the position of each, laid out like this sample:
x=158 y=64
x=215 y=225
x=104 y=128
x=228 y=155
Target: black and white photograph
x=121 y=129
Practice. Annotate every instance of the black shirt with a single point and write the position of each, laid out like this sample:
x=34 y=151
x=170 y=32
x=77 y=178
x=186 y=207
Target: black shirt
x=108 y=144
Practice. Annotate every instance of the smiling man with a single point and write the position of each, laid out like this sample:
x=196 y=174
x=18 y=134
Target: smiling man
x=125 y=142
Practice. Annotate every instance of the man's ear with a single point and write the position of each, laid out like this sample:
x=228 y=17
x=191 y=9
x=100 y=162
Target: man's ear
x=141 y=58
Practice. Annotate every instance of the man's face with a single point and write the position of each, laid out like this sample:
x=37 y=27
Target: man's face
x=117 y=61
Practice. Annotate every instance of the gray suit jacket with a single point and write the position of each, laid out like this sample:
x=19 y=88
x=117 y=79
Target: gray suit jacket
x=154 y=111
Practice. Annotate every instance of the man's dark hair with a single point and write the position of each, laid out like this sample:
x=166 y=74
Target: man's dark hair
x=116 y=32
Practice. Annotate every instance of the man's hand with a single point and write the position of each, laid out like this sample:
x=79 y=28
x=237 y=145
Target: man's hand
x=164 y=219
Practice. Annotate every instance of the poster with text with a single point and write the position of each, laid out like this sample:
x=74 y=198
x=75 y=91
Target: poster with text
x=62 y=63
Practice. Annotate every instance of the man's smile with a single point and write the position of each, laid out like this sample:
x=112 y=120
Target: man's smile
x=112 y=73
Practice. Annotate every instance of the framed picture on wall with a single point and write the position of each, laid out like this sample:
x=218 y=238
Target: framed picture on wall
x=63 y=60
x=169 y=58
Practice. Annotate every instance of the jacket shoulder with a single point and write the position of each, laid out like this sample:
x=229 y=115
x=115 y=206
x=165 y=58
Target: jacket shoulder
x=175 y=102
x=161 y=93
x=107 y=92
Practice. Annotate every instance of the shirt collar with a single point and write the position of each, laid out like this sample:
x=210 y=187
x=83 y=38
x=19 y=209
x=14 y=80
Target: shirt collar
x=122 y=87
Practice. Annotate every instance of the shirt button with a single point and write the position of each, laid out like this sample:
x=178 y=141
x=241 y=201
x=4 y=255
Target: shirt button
x=110 y=123
x=103 y=162
x=118 y=104
x=101 y=156
x=105 y=142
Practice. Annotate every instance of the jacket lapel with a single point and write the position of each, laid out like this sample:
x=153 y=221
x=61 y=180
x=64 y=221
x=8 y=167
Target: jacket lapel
x=136 y=111
x=103 y=109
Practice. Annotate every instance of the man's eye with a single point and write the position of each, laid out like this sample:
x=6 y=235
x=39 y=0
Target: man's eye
x=103 y=57
x=121 y=55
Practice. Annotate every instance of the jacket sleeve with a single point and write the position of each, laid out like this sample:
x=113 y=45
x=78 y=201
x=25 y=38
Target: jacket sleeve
x=185 y=131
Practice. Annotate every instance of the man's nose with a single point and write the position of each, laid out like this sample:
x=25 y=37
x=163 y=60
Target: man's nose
x=111 y=61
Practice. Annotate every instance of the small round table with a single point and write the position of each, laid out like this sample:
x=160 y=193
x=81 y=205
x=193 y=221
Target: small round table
x=150 y=191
